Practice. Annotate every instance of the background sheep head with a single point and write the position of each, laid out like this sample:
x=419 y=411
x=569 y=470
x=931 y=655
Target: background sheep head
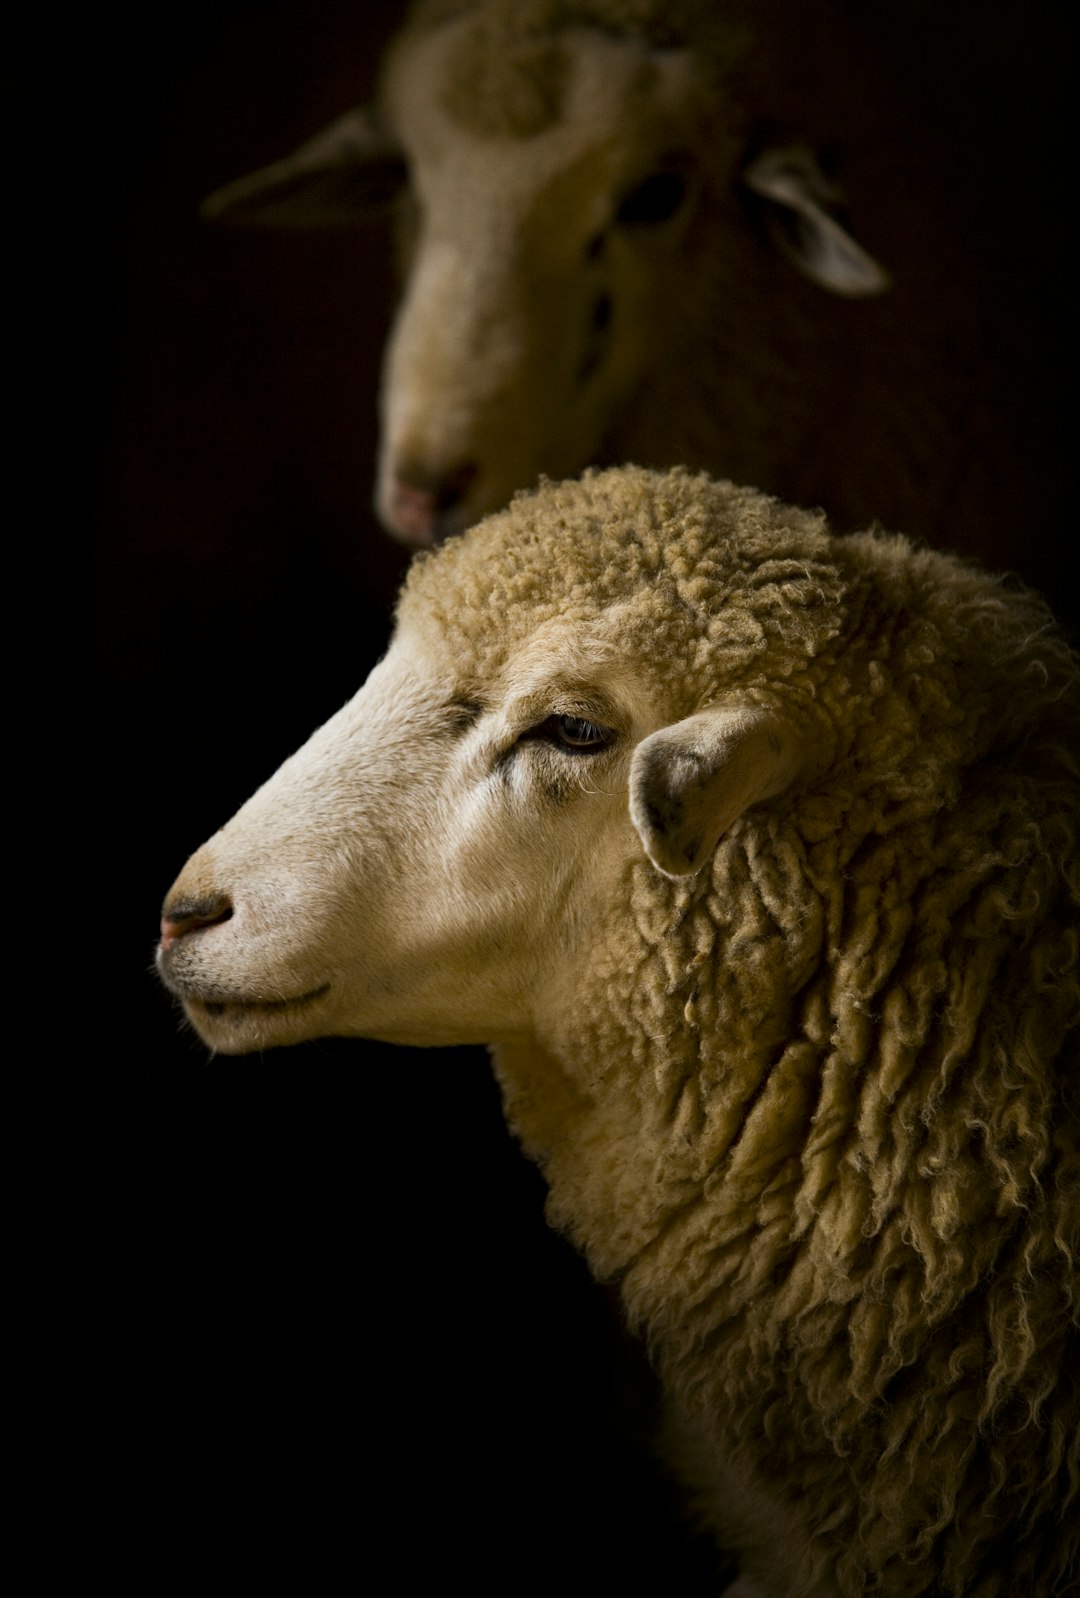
x=599 y=222
x=807 y=246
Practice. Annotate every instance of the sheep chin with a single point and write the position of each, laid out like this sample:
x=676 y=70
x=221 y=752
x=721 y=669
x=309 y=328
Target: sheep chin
x=241 y=1026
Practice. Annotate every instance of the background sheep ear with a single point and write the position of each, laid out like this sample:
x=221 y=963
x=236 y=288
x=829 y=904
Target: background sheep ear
x=691 y=781
x=333 y=180
x=797 y=211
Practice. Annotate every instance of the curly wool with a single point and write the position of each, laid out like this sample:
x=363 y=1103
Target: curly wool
x=820 y=1117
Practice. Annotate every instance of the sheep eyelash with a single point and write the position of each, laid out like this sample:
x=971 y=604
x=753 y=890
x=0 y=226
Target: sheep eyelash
x=595 y=738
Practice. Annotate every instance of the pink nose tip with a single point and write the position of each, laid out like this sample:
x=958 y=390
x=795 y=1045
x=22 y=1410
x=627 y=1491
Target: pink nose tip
x=186 y=917
x=412 y=515
x=422 y=504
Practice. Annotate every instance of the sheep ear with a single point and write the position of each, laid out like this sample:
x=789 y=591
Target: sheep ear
x=690 y=782
x=344 y=172
x=798 y=213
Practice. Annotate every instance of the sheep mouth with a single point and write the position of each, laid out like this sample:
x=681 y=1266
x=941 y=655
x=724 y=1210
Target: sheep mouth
x=236 y=1008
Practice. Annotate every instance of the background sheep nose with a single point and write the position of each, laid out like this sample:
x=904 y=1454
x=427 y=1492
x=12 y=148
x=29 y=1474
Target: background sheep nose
x=189 y=915
x=420 y=502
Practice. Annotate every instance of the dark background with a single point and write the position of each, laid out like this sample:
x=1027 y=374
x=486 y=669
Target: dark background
x=323 y=1333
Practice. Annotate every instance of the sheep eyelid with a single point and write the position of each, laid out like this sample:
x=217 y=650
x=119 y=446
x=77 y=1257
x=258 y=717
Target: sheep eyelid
x=576 y=735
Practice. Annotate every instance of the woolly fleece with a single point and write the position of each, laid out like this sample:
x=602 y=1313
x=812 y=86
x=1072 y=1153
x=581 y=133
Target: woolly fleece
x=818 y=1116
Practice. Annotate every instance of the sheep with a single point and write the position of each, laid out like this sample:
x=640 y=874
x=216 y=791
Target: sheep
x=750 y=850
x=736 y=236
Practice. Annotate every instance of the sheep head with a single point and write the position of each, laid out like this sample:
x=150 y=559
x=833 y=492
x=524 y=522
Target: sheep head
x=438 y=854
x=562 y=193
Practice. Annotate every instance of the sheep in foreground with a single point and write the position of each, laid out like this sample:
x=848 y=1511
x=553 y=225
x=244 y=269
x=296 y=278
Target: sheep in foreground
x=752 y=851
x=736 y=236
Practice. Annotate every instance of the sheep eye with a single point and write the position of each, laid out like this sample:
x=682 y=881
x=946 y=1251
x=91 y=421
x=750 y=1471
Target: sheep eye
x=652 y=201
x=574 y=733
x=577 y=733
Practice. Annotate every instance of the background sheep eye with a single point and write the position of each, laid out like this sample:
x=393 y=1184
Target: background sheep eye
x=573 y=733
x=652 y=201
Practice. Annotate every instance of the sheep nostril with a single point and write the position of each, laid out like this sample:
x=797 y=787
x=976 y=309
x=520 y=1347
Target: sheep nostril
x=189 y=916
x=451 y=489
x=412 y=514
x=420 y=501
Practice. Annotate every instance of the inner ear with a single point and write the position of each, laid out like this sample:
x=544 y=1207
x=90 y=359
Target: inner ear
x=691 y=781
x=799 y=211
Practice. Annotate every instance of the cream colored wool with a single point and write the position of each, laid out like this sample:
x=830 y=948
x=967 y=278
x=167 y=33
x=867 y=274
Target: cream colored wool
x=814 y=1105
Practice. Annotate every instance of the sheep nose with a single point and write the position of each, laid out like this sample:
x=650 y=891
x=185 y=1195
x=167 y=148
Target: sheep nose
x=421 y=503
x=189 y=915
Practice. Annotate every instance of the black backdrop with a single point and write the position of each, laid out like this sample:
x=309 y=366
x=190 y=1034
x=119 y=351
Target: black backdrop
x=319 y=1331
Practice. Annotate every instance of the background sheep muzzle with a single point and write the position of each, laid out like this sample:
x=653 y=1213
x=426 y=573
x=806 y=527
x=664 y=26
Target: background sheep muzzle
x=422 y=508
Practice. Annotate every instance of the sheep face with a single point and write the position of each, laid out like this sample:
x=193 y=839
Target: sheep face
x=414 y=868
x=429 y=868
x=564 y=194
x=531 y=305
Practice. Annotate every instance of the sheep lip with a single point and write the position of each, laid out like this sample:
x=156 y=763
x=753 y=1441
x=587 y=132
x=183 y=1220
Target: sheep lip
x=215 y=1008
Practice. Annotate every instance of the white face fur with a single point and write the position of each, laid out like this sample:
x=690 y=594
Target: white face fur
x=422 y=869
